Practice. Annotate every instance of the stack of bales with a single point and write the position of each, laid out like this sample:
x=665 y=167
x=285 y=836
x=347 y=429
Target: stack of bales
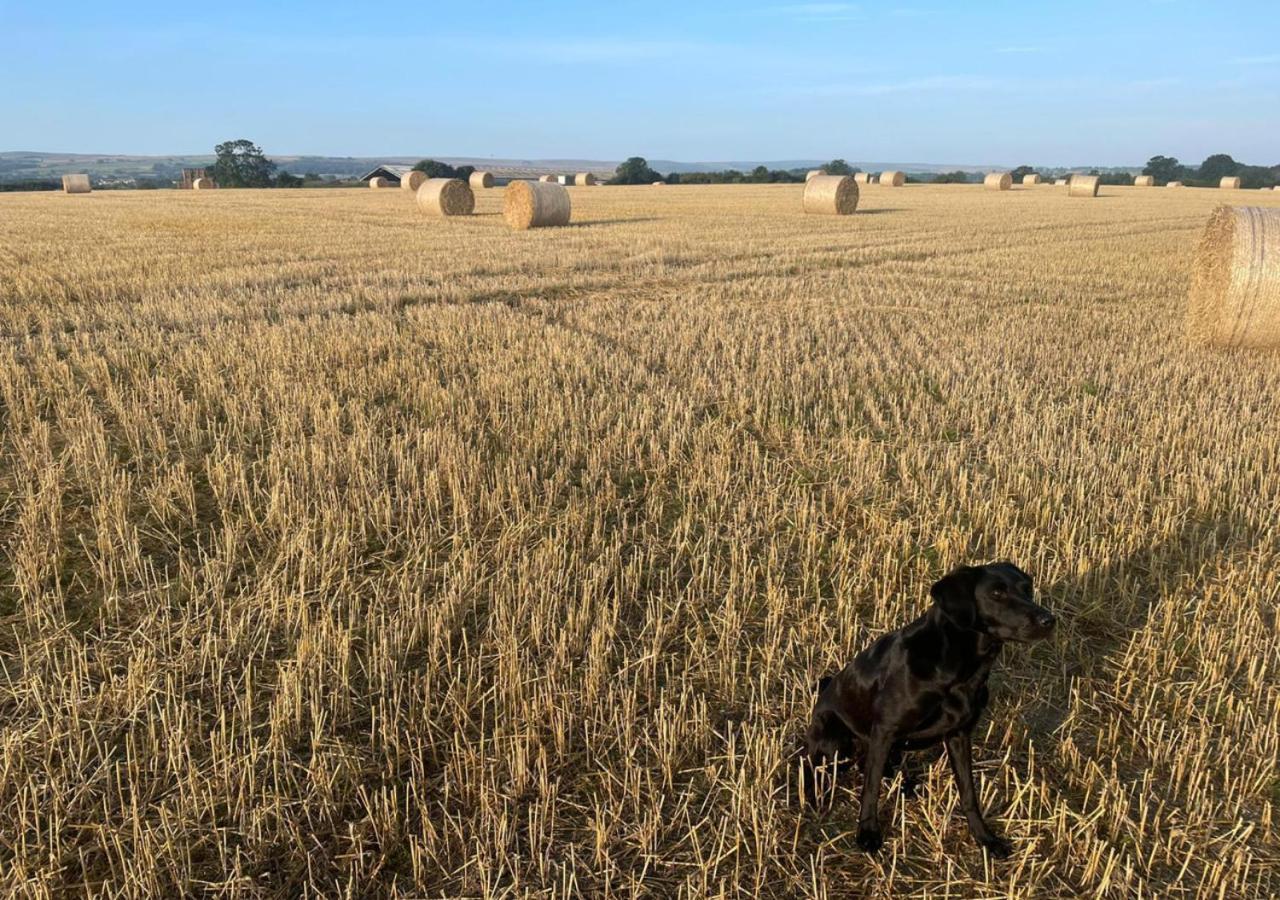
x=446 y=197
x=1235 y=288
x=893 y=179
x=540 y=204
x=481 y=180
x=1031 y=180
x=1144 y=181
x=1230 y=183
x=831 y=195
x=998 y=181
x=1083 y=186
x=76 y=184
x=412 y=180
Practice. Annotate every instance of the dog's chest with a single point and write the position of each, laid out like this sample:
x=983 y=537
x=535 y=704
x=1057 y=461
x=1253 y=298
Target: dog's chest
x=953 y=706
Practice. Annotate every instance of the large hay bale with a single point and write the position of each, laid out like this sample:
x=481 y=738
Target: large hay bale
x=813 y=173
x=1031 y=180
x=1083 y=186
x=528 y=204
x=862 y=177
x=1144 y=181
x=547 y=179
x=831 y=195
x=998 y=181
x=893 y=179
x=1230 y=183
x=446 y=197
x=203 y=184
x=585 y=179
x=1174 y=184
x=1235 y=284
x=76 y=184
x=377 y=182
x=481 y=180
x=412 y=180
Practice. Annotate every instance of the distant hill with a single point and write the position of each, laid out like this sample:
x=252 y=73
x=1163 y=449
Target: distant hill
x=22 y=165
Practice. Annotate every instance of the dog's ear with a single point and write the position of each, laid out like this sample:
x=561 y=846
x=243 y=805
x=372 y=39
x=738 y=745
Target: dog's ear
x=954 y=595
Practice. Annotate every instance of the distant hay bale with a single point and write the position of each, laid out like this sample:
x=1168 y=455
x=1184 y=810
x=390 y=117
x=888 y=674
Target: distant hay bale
x=446 y=197
x=203 y=184
x=528 y=204
x=813 y=173
x=862 y=177
x=1083 y=186
x=893 y=179
x=566 y=180
x=1031 y=180
x=377 y=182
x=998 y=181
x=481 y=180
x=831 y=195
x=1144 y=181
x=547 y=179
x=585 y=179
x=1235 y=284
x=412 y=180
x=1230 y=183
x=1061 y=182
x=76 y=184
x=1174 y=184
x=659 y=184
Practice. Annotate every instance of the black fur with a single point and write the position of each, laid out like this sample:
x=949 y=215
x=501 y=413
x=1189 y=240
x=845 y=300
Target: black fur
x=925 y=684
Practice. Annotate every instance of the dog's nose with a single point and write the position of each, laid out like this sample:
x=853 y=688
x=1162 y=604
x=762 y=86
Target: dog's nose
x=1046 y=620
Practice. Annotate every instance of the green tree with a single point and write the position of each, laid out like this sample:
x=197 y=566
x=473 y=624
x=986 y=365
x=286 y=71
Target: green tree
x=1217 y=167
x=1020 y=172
x=1164 y=169
x=635 y=171
x=435 y=169
x=241 y=164
x=838 y=167
x=286 y=180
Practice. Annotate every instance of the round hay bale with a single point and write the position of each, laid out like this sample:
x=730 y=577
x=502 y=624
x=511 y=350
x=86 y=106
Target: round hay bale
x=862 y=177
x=893 y=179
x=1174 y=184
x=76 y=184
x=481 y=180
x=1144 y=181
x=446 y=197
x=1235 y=282
x=585 y=179
x=541 y=204
x=203 y=184
x=831 y=195
x=377 y=182
x=659 y=184
x=1230 y=183
x=1031 y=180
x=548 y=179
x=412 y=180
x=1083 y=186
x=998 y=181
x=1062 y=182
x=813 y=173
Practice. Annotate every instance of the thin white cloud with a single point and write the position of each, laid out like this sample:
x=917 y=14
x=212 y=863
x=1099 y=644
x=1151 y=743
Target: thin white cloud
x=1269 y=60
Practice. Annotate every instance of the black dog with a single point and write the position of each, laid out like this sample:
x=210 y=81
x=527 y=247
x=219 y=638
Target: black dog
x=927 y=683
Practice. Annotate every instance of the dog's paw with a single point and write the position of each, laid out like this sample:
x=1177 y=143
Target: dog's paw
x=997 y=846
x=869 y=839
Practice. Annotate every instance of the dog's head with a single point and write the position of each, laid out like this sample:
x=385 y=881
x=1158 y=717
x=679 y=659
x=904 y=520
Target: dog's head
x=997 y=598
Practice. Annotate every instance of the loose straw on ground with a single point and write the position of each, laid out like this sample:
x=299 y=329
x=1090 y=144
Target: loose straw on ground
x=446 y=197
x=528 y=204
x=831 y=195
x=1083 y=186
x=998 y=181
x=1235 y=285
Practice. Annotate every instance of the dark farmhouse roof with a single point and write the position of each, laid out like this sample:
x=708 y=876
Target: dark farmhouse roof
x=391 y=173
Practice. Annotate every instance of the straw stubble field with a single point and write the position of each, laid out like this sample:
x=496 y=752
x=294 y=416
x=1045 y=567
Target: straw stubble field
x=347 y=551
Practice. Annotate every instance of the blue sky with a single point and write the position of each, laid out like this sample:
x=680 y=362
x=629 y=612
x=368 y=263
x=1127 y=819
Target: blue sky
x=979 y=82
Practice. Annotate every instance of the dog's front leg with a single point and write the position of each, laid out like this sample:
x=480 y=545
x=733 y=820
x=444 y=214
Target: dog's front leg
x=869 y=838
x=959 y=753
